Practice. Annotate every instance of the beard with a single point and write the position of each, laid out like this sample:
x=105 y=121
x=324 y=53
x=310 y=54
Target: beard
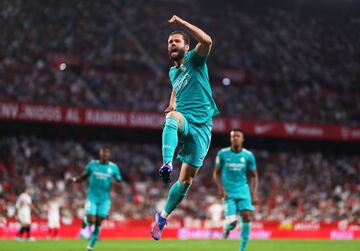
x=180 y=53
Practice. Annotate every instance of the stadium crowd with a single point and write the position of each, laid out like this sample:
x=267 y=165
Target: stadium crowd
x=294 y=185
x=281 y=65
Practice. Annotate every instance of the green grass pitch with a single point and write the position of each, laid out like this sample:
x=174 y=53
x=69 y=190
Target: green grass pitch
x=182 y=245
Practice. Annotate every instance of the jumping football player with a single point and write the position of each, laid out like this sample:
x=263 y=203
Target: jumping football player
x=188 y=116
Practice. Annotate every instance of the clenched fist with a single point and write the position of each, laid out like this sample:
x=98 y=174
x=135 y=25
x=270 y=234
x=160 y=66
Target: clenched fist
x=175 y=20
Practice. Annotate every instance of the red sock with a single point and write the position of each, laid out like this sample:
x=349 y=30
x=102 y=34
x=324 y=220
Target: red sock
x=20 y=233
x=55 y=232
x=28 y=229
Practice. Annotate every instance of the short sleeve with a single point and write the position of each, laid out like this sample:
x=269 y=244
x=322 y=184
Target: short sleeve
x=117 y=174
x=195 y=59
x=251 y=162
x=219 y=161
x=88 y=168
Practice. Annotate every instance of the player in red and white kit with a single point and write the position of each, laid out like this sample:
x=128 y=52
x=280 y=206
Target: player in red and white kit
x=53 y=208
x=23 y=206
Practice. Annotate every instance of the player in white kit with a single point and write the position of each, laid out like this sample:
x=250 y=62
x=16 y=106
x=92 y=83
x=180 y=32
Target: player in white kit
x=215 y=212
x=53 y=208
x=23 y=206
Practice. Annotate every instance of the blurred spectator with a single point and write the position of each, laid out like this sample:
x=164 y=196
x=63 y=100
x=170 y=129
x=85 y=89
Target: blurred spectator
x=281 y=66
x=293 y=185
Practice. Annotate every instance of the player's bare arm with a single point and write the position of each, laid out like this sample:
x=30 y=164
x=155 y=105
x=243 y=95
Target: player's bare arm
x=172 y=103
x=78 y=179
x=217 y=179
x=254 y=181
x=203 y=46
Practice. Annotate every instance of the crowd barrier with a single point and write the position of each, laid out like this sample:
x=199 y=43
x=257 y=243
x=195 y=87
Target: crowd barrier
x=140 y=229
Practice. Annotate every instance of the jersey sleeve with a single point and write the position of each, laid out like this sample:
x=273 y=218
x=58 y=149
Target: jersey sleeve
x=117 y=173
x=170 y=77
x=18 y=202
x=251 y=162
x=219 y=162
x=29 y=200
x=88 y=168
x=195 y=59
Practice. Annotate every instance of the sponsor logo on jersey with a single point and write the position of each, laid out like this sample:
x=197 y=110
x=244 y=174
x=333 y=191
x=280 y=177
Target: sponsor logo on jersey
x=182 y=67
x=102 y=176
x=235 y=166
x=181 y=82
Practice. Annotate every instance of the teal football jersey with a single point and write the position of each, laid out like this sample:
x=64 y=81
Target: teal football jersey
x=233 y=166
x=100 y=179
x=191 y=85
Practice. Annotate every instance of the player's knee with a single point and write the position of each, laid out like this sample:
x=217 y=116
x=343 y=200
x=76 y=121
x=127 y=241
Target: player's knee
x=233 y=224
x=99 y=221
x=91 y=220
x=177 y=116
x=247 y=217
x=173 y=114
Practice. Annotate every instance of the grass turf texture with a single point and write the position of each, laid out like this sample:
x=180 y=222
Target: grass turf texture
x=177 y=245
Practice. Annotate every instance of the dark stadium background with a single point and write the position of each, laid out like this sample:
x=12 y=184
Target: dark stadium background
x=294 y=62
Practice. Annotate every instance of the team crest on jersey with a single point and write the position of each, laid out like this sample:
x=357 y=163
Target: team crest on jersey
x=242 y=159
x=182 y=67
x=109 y=170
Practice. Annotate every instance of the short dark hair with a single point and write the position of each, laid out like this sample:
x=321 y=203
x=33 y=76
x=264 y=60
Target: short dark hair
x=185 y=36
x=237 y=130
x=105 y=147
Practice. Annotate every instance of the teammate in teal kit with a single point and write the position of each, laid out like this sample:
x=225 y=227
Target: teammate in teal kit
x=189 y=114
x=230 y=174
x=100 y=173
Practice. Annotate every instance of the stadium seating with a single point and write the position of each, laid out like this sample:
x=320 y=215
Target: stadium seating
x=282 y=66
x=294 y=185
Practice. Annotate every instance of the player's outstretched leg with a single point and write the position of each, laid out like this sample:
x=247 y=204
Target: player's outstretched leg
x=173 y=121
x=176 y=194
x=245 y=230
x=227 y=228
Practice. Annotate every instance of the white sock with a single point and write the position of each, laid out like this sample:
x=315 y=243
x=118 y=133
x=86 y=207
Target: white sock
x=170 y=164
x=164 y=214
